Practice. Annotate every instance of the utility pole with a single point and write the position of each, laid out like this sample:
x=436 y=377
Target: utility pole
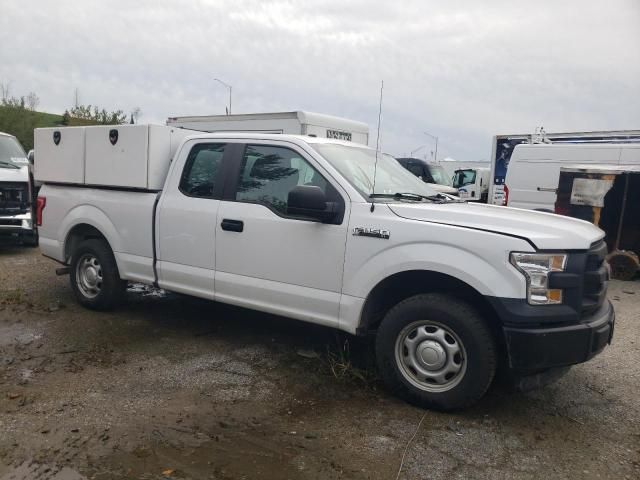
x=230 y=88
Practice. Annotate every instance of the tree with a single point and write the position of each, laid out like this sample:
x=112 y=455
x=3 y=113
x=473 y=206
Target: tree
x=16 y=119
x=93 y=115
x=32 y=101
x=5 y=88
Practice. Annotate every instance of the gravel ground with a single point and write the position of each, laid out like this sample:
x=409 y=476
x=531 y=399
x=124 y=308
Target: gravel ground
x=170 y=387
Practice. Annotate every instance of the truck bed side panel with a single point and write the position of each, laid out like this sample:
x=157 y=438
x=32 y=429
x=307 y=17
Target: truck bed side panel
x=123 y=217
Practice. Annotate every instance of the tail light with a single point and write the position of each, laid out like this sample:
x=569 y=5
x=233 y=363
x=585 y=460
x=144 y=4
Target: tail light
x=561 y=210
x=40 y=204
x=505 y=200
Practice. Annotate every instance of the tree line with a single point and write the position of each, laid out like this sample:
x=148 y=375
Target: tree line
x=19 y=116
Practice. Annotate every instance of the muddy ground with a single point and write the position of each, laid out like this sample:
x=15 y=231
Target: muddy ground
x=180 y=388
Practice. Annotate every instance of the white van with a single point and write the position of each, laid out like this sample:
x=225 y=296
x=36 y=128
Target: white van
x=534 y=169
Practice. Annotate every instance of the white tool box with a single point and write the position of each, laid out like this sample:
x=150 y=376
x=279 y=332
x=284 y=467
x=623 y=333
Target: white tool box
x=60 y=153
x=128 y=156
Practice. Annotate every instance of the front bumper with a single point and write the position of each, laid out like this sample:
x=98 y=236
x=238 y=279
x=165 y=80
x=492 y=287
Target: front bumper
x=534 y=349
x=14 y=224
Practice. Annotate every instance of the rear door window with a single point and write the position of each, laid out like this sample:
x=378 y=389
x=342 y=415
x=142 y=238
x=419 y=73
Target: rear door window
x=201 y=169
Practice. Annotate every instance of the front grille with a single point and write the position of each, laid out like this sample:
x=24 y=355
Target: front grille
x=596 y=278
x=14 y=198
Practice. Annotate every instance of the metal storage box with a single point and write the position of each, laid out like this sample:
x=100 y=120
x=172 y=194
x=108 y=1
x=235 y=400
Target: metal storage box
x=132 y=156
x=126 y=156
x=59 y=154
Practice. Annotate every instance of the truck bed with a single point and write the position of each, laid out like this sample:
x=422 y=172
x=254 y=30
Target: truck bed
x=124 y=217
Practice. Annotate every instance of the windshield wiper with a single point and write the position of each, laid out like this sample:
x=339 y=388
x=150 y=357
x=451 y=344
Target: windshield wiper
x=437 y=198
x=8 y=164
x=409 y=196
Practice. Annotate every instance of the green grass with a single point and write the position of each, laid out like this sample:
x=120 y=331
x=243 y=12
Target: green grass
x=21 y=122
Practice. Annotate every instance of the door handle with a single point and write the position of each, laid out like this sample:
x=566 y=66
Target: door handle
x=232 y=225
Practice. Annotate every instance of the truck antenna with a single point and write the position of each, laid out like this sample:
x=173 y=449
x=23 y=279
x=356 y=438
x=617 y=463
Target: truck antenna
x=375 y=165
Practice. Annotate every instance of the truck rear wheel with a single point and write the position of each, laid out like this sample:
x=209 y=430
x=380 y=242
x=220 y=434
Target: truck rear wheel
x=435 y=350
x=94 y=276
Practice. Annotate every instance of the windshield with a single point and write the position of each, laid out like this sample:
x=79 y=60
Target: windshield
x=464 y=177
x=11 y=153
x=439 y=175
x=356 y=164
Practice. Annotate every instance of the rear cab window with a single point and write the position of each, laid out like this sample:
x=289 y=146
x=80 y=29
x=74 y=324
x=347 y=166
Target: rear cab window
x=200 y=174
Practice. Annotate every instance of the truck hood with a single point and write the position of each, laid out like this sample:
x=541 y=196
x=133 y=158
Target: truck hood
x=14 y=174
x=547 y=231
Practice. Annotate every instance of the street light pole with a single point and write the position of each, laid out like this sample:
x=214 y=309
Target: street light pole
x=436 y=139
x=230 y=88
x=416 y=149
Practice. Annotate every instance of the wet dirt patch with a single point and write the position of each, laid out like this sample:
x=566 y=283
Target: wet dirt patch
x=168 y=387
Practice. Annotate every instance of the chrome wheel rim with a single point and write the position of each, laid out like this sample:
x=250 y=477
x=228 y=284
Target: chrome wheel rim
x=430 y=356
x=89 y=275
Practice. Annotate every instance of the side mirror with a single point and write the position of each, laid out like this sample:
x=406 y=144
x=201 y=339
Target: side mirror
x=310 y=202
x=30 y=156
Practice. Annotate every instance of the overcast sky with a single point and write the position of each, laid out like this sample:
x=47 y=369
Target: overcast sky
x=461 y=70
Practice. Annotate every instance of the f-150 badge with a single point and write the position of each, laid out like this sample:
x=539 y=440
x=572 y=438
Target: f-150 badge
x=371 y=232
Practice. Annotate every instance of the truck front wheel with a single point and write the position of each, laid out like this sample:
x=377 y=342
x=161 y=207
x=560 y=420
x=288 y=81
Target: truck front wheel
x=94 y=276
x=436 y=351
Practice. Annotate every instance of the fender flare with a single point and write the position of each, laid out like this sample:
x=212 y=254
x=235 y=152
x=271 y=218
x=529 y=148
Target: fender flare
x=94 y=217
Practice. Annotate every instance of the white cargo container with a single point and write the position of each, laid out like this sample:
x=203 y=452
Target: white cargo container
x=129 y=156
x=293 y=123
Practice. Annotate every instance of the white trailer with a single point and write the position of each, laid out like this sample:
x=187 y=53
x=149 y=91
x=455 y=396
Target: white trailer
x=292 y=123
x=503 y=146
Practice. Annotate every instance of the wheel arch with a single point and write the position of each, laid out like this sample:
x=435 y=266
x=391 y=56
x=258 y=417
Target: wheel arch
x=79 y=233
x=85 y=222
x=399 y=286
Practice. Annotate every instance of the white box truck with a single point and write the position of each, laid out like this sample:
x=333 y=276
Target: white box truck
x=293 y=123
x=293 y=225
x=504 y=145
x=472 y=184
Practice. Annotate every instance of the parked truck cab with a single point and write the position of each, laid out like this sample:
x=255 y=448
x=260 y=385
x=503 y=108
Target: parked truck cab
x=16 y=193
x=472 y=184
x=294 y=226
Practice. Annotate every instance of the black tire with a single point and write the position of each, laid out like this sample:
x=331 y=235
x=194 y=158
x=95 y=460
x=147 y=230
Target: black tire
x=110 y=289
x=448 y=317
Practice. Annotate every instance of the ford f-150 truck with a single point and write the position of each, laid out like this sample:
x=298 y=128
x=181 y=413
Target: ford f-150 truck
x=333 y=233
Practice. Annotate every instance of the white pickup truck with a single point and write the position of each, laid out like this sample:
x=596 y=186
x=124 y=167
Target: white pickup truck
x=298 y=226
x=16 y=193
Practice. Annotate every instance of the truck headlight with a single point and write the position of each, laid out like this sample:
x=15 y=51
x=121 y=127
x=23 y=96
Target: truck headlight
x=536 y=267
